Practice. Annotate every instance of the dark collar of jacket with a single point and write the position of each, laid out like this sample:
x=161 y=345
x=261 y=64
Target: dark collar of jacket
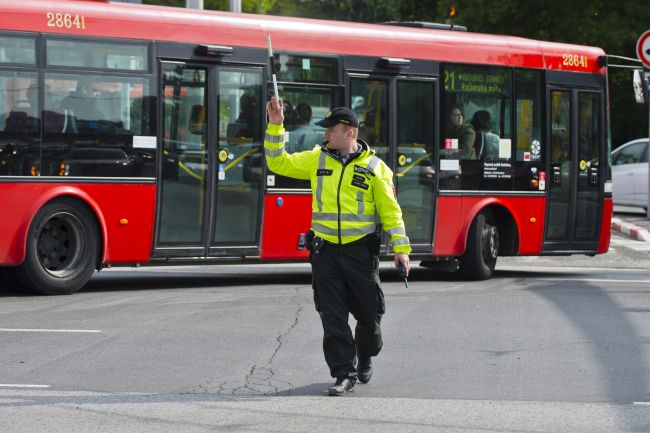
x=363 y=152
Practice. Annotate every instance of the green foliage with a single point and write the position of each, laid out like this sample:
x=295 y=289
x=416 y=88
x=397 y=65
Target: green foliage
x=215 y=5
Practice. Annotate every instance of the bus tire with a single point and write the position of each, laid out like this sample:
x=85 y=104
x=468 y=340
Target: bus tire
x=482 y=250
x=62 y=249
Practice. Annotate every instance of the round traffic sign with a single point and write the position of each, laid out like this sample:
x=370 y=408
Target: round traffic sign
x=643 y=48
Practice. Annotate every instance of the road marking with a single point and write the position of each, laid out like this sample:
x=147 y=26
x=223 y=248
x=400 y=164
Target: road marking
x=86 y=331
x=594 y=280
x=642 y=403
x=21 y=385
x=201 y=301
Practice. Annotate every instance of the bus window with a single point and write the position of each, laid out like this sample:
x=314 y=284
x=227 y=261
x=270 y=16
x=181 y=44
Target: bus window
x=528 y=130
x=477 y=142
x=589 y=144
x=93 y=126
x=303 y=107
x=100 y=55
x=306 y=69
x=19 y=122
x=415 y=168
x=370 y=103
x=17 y=50
x=304 y=103
x=557 y=226
x=240 y=176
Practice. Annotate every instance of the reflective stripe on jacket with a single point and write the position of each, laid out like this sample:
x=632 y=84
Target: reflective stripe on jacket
x=346 y=198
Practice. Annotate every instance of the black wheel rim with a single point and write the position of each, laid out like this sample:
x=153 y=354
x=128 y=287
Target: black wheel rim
x=61 y=244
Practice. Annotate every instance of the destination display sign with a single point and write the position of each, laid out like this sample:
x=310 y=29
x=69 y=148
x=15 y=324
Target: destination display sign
x=460 y=80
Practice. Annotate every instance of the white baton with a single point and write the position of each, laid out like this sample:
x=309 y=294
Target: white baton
x=275 y=81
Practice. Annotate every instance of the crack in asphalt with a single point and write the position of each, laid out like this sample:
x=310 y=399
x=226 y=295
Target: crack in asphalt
x=260 y=379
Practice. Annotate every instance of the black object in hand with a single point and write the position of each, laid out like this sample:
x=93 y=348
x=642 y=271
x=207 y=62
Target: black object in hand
x=402 y=273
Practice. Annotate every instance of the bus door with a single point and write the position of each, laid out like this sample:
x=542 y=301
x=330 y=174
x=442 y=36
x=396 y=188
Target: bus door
x=574 y=194
x=397 y=120
x=209 y=195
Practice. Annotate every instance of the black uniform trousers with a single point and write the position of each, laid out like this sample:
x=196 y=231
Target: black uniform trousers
x=346 y=280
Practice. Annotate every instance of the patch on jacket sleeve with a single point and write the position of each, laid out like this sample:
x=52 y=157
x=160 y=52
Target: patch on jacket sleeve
x=324 y=172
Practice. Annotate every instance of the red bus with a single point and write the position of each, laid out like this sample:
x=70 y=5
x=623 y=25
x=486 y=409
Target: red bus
x=132 y=134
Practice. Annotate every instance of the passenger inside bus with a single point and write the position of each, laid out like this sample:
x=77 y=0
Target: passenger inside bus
x=303 y=137
x=245 y=125
x=23 y=115
x=487 y=142
x=83 y=100
x=463 y=132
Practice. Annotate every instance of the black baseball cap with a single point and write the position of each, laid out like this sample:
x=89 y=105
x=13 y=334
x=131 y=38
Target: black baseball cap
x=339 y=115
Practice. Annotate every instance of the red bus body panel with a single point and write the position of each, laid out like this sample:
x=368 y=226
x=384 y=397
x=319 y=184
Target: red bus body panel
x=123 y=243
x=606 y=226
x=286 y=217
x=527 y=213
x=122 y=20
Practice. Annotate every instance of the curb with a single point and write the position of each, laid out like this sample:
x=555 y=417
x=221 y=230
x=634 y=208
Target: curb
x=635 y=232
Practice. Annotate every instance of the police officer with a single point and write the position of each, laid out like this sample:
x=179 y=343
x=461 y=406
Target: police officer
x=350 y=185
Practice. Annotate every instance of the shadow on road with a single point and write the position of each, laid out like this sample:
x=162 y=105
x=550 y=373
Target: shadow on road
x=154 y=279
x=614 y=340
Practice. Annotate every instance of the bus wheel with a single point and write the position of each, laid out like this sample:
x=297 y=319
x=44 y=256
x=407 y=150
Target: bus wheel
x=62 y=249
x=482 y=250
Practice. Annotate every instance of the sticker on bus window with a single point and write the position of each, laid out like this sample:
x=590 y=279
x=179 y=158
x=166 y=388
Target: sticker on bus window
x=449 y=164
x=270 y=180
x=583 y=165
x=504 y=148
x=535 y=148
x=144 y=142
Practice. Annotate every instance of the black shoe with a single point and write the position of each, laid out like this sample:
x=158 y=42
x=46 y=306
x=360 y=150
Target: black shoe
x=364 y=369
x=342 y=385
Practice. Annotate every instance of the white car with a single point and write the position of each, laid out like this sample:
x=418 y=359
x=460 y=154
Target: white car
x=630 y=174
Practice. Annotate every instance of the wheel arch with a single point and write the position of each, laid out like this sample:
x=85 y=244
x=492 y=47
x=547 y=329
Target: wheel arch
x=509 y=228
x=64 y=192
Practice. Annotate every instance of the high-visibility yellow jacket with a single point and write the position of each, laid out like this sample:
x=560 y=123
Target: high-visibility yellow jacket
x=348 y=199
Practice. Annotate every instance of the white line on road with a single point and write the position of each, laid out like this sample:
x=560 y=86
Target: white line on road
x=87 y=331
x=21 y=385
x=201 y=301
x=594 y=280
x=642 y=403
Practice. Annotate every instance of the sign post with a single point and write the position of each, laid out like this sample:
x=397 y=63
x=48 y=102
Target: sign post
x=647 y=97
x=643 y=53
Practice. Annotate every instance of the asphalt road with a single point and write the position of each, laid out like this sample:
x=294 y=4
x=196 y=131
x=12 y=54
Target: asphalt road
x=546 y=345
